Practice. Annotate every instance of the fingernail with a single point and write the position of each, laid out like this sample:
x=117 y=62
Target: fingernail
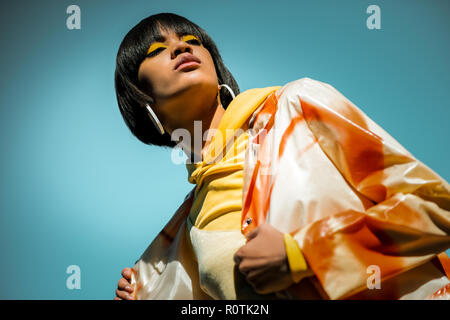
x=130 y=297
x=129 y=288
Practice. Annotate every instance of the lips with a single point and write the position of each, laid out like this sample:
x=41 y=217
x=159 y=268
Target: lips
x=186 y=58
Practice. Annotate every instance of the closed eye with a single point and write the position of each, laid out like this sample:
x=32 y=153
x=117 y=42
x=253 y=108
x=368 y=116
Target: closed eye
x=155 y=52
x=194 y=41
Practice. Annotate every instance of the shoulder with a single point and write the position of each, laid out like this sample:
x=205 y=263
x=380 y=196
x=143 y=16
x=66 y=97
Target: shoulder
x=286 y=99
x=311 y=89
x=305 y=85
x=322 y=104
x=312 y=97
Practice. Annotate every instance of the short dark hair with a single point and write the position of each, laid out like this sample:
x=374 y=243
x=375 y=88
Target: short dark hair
x=130 y=93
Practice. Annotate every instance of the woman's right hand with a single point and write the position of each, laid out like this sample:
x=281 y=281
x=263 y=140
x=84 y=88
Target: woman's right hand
x=124 y=288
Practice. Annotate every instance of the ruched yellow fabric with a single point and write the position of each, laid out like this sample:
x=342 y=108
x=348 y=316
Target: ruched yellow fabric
x=218 y=196
x=219 y=179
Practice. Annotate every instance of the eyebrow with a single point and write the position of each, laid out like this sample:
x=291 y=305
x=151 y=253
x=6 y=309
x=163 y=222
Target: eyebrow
x=161 y=38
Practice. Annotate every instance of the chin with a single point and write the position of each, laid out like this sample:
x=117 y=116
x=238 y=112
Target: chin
x=199 y=85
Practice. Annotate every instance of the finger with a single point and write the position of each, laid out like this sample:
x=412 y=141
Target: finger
x=129 y=288
x=237 y=259
x=252 y=234
x=126 y=273
x=123 y=295
x=250 y=263
x=259 y=279
x=256 y=275
x=245 y=267
x=125 y=285
x=117 y=298
x=239 y=255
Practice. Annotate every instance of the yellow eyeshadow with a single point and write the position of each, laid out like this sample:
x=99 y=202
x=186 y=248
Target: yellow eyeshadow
x=157 y=45
x=190 y=37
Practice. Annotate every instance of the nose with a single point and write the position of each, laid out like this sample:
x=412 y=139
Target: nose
x=180 y=47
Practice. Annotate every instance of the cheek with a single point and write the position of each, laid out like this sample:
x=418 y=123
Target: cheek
x=157 y=82
x=208 y=64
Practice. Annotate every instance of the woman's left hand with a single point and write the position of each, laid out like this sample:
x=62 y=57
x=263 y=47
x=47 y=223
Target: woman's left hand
x=263 y=260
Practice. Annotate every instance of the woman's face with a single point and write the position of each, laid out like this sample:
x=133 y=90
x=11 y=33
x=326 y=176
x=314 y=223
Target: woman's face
x=181 y=95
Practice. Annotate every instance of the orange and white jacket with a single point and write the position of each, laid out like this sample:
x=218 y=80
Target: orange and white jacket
x=372 y=222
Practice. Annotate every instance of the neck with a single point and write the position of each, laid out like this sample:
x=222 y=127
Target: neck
x=214 y=124
x=209 y=122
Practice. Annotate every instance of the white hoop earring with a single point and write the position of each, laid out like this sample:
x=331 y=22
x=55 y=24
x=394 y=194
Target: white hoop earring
x=228 y=88
x=155 y=119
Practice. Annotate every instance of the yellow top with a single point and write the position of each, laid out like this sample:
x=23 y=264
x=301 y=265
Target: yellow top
x=217 y=203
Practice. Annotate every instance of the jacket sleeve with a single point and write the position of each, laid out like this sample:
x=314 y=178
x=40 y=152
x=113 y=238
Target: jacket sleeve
x=406 y=220
x=167 y=269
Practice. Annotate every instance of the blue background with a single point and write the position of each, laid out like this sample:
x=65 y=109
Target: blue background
x=77 y=188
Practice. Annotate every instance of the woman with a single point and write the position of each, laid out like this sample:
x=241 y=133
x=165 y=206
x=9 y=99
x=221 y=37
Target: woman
x=298 y=194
